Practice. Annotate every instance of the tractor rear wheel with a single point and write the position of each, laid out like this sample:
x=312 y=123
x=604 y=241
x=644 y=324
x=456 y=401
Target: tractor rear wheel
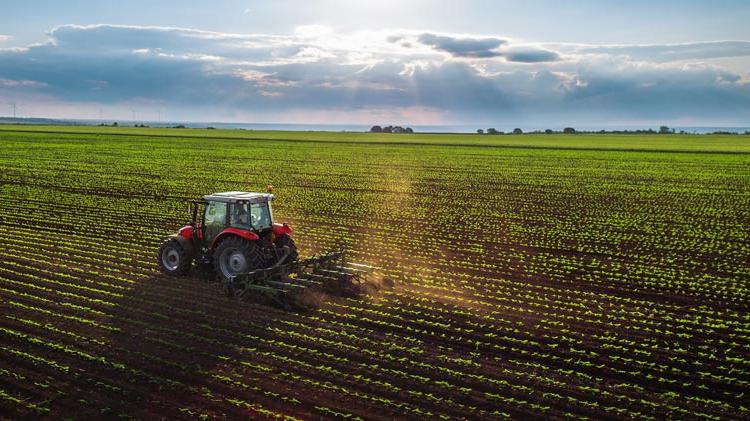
x=286 y=240
x=235 y=256
x=173 y=258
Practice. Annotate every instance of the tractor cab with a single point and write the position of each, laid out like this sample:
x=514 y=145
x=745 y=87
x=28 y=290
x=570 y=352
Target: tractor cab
x=240 y=210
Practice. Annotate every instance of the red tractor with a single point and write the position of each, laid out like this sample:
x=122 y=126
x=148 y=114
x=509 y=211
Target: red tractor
x=236 y=234
x=237 y=239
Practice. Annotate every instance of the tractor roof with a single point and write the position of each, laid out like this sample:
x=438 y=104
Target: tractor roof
x=239 y=196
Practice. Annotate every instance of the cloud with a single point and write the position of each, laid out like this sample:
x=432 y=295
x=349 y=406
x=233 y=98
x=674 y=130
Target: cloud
x=316 y=72
x=468 y=47
x=463 y=47
x=674 y=52
x=530 y=55
x=650 y=91
x=10 y=83
x=5 y=37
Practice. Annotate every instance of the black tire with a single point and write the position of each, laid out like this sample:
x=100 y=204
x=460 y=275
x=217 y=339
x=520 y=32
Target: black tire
x=235 y=256
x=286 y=240
x=173 y=258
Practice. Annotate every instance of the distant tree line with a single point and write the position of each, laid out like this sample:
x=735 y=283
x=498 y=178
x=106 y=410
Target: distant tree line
x=571 y=130
x=517 y=130
x=390 y=129
x=114 y=124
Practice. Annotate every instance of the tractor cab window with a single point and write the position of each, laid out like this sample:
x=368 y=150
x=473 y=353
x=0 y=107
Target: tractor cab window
x=239 y=217
x=216 y=219
x=260 y=215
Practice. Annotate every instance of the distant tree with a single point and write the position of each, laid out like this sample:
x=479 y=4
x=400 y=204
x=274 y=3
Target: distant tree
x=664 y=130
x=492 y=130
x=548 y=131
x=398 y=129
x=408 y=130
x=569 y=130
x=114 y=124
x=480 y=131
x=517 y=131
x=376 y=129
x=388 y=129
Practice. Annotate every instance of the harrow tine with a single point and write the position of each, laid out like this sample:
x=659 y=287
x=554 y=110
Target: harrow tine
x=351 y=271
x=343 y=276
x=285 y=285
x=229 y=288
x=307 y=282
x=297 y=284
x=320 y=277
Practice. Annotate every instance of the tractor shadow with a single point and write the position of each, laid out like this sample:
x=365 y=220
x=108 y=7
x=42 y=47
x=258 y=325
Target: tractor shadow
x=182 y=340
x=189 y=348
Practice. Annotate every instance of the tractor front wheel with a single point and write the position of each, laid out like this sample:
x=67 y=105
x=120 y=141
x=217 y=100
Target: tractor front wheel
x=173 y=258
x=235 y=256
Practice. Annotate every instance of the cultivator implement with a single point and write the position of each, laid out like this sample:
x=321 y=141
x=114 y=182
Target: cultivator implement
x=298 y=284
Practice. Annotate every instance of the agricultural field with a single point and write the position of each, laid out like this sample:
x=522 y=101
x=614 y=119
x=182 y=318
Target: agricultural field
x=601 y=277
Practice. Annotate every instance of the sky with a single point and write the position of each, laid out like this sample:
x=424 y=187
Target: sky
x=414 y=62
